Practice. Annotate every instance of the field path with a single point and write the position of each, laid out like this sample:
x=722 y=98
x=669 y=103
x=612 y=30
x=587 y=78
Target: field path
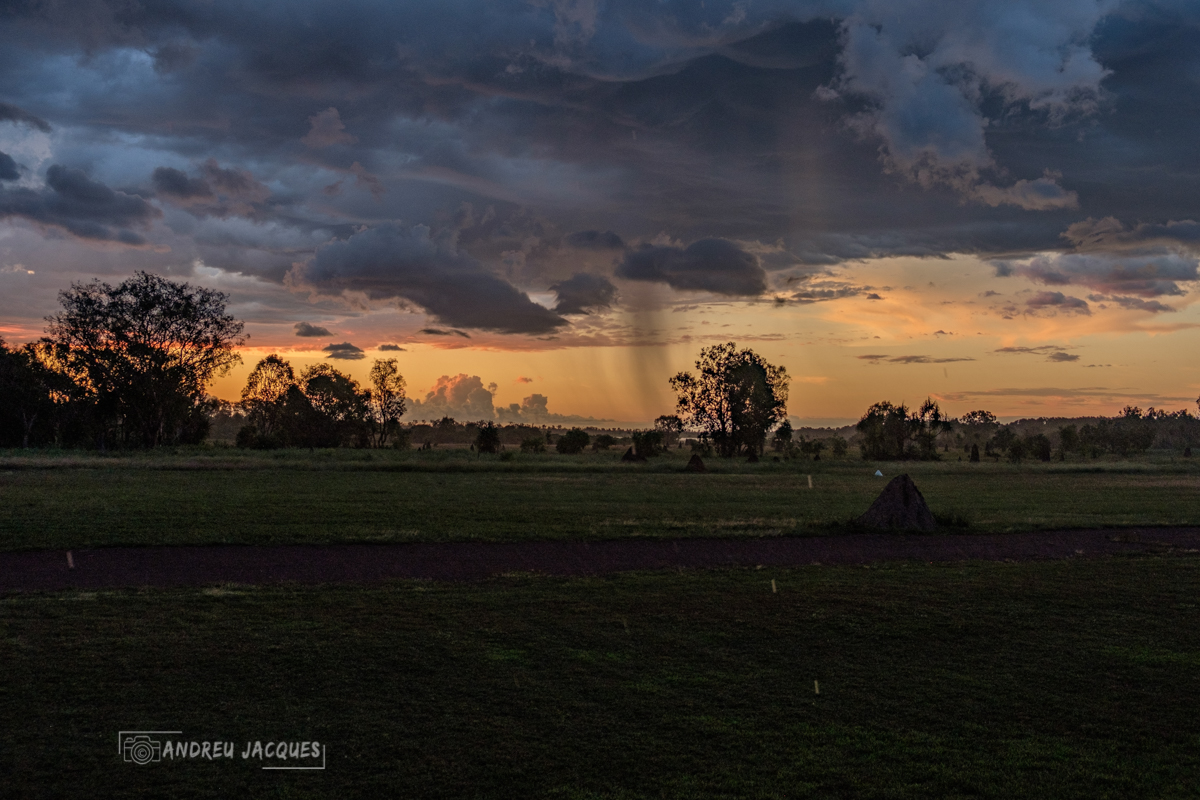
x=115 y=567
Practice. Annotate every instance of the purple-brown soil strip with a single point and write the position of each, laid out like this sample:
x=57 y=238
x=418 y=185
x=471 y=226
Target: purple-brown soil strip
x=116 y=567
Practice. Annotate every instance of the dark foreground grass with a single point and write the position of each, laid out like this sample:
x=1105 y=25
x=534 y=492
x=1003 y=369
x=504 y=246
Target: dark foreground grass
x=346 y=496
x=73 y=501
x=1051 y=680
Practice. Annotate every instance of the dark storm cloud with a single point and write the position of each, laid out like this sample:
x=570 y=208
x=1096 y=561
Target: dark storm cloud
x=709 y=265
x=10 y=113
x=308 y=329
x=595 y=240
x=344 y=351
x=845 y=129
x=8 y=168
x=583 y=293
x=440 y=332
x=392 y=348
x=176 y=184
x=1124 y=273
x=392 y=262
x=81 y=206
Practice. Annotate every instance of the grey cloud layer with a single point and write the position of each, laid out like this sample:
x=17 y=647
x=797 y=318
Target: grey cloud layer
x=392 y=262
x=845 y=129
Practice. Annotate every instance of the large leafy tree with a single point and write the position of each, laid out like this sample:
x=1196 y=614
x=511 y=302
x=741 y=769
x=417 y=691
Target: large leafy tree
x=734 y=398
x=264 y=393
x=144 y=351
x=387 y=401
x=891 y=432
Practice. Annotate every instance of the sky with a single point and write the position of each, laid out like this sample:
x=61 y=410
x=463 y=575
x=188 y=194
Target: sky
x=543 y=209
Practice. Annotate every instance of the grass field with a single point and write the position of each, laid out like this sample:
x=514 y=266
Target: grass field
x=1070 y=679
x=212 y=495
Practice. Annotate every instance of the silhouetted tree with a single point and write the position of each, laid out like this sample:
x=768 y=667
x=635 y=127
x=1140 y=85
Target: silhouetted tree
x=144 y=351
x=387 y=402
x=647 y=443
x=264 y=394
x=670 y=426
x=603 y=441
x=487 y=440
x=889 y=432
x=28 y=389
x=782 y=441
x=572 y=442
x=734 y=398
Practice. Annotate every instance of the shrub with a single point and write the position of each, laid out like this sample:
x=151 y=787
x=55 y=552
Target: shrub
x=534 y=445
x=488 y=439
x=603 y=442
x=647 y=443
x=572 y=442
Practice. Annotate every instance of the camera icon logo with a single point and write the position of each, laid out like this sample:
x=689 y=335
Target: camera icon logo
x=137 y=747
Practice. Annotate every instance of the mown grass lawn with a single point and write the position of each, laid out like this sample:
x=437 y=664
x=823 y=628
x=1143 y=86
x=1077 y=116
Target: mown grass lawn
x=1070 y=679
x=222 y=496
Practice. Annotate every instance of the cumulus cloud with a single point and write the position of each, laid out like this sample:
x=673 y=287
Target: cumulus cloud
x=306 y=329
x=1057 y=301
x=463 y=397
x=327 y=129
x=709 y=265
x=392 y=262
x=344 y=351
x=84 y=208
x=583 y=293
x=392 y=348
x=1145 y=276
x=925 y=71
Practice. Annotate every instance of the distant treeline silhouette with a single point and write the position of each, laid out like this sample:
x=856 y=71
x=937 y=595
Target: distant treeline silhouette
x=128 y=366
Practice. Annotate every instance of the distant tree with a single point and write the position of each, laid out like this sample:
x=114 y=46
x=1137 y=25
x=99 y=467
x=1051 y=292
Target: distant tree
x=342 y=408
x=647 y=443
x=572 y=442
x=144 y=351
x=838 y=446
x=28 y=389
x=603 y=441
x=734 y=398
x=974 y=453
x=670 y=426
x=386 y=404
x=782 y=441
x=1068 y=438
x=883 y=432
x=487 y=440
x=1039 y=446
x=534 y=444
x=890 y=432
x=264 y=393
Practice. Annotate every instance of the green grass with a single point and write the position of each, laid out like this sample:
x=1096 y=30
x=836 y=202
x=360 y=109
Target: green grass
x=1070 y=679
x=214 y=495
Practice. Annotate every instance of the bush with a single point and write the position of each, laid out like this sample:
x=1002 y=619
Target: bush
x=572 y=442
x=248 y=437
x=488 y=438
x=603 y=442
x=533 y=445
x=647 y=443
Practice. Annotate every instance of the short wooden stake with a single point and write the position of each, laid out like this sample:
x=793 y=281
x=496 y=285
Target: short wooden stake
x=773 y=589
x=816 y=688
x=70 y=561
x=810 y=481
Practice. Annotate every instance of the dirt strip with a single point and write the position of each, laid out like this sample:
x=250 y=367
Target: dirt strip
x=115 y=567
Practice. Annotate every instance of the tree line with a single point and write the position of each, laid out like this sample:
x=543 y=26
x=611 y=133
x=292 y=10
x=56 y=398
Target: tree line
x=129 y=366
